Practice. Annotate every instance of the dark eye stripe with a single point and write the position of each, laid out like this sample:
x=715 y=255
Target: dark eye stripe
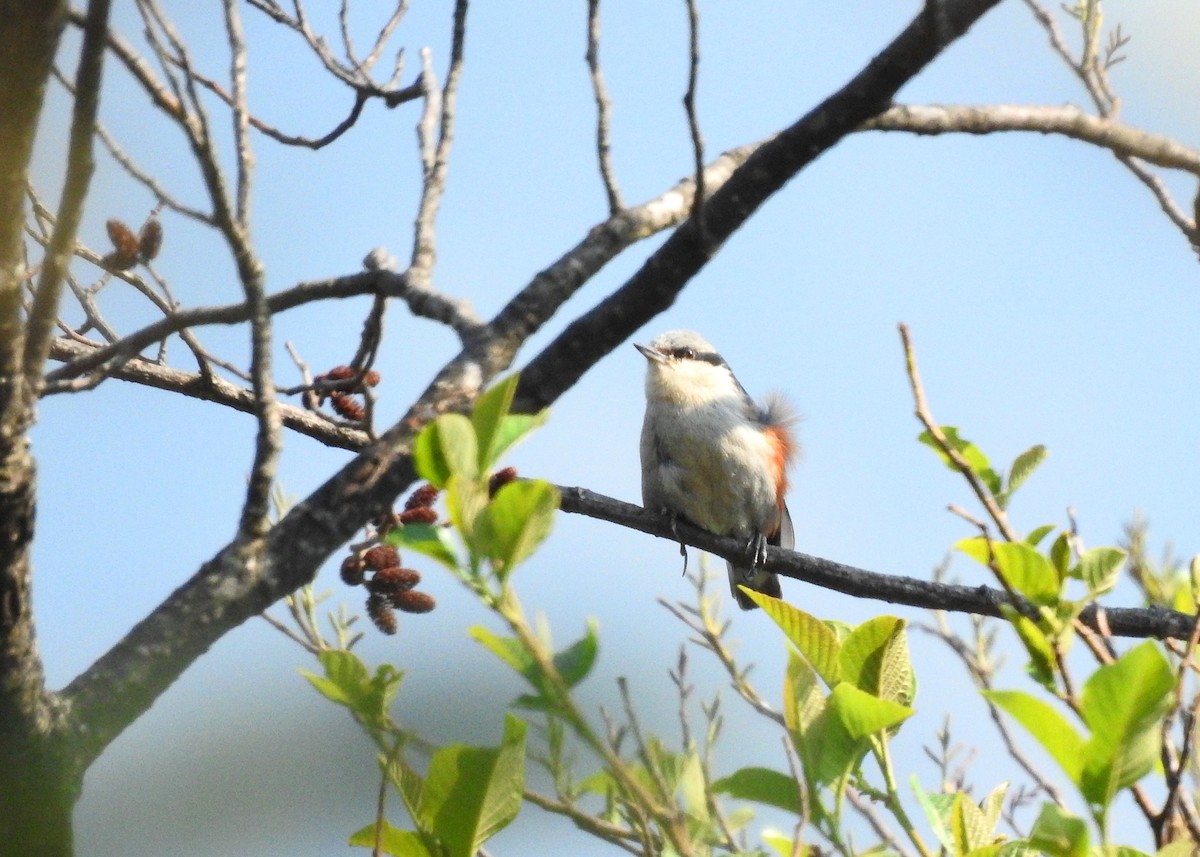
x=685 y=353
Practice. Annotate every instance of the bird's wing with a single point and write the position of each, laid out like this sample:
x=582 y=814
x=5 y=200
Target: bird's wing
x=786 y=537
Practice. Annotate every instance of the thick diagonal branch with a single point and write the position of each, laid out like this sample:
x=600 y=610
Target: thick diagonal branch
x=115 y=690
x=655 y=287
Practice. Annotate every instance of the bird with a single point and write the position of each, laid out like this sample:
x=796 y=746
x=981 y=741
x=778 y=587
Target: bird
x=714 y=457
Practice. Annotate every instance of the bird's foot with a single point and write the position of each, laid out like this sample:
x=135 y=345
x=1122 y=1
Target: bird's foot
x=673 y=519
x=756 y=553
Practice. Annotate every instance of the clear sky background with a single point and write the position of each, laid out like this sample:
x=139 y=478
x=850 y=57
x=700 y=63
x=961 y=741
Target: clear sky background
x=1050 y=301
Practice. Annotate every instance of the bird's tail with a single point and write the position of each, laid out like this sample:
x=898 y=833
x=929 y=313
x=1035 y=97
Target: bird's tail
x=760 y=581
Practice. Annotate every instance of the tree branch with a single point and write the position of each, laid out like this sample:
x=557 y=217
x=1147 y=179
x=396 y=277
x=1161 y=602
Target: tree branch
x=119 y=687
x=655 y=287
x=377 y=280
x=214 y=388
x=1066 y=120
x=80 y=164
x=603 y=111
x=981 y=600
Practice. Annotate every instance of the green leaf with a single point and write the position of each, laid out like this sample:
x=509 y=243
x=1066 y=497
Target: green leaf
x=803 y=701
x=1060 y=555
x=348 y=683
x=1123 y=705
x=1035 y=538
x=782 y=843
x=937 y=812
x=968 y=825
x=446 y=447
x=507 y=649
x=761 y=785
x=1023 y=467
x=970 y=452
x=1045 y=724
x=466 y=498
x=1042 y=662
x=993 y=805
x=1057 y=833
x=513 y=428
x=429 y=539
x=576 y=660
x=694 y=790
x=863 y=714
x=1025 y=570
x=838 y=738
x=815 y=640
x=489 y=412
x=1099 y=569
x=471 y=793
x=875 y=658
x=407 y=781
x=400 y=843
x=517 y=520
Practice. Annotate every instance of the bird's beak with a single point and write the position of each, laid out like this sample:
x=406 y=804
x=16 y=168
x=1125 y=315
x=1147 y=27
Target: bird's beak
x=651 y=353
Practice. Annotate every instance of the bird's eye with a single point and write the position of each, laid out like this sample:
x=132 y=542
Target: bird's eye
x=684 y=353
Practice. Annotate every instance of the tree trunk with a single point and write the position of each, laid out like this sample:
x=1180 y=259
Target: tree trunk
x=39 y=779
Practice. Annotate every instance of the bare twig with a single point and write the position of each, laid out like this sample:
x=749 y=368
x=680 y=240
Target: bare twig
x=982 y=676
x=80 y=163
x=935 y=430
x=435 y=156
x=603 y=111
x=689 y=106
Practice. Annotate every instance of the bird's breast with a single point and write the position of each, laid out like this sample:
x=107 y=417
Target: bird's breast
x=716 y=468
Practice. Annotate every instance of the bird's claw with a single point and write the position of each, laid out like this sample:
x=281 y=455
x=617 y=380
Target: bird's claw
x=756 y=551
x=673 y=521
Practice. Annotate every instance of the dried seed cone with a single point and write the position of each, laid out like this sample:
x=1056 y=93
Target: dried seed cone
x=413 y=601
x=345 y=406
x=114 y=261
x=423 y=497
x=123 y=239
x=419 y=515
x=392 y=581
x=381 y=613
x=381 y=556
x=352 y=570
x=150 y=239
x=501 y=478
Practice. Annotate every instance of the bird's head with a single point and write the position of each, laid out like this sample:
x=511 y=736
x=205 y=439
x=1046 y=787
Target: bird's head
x=683 y=368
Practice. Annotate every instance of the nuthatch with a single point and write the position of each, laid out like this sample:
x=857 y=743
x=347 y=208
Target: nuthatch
x=714 y=457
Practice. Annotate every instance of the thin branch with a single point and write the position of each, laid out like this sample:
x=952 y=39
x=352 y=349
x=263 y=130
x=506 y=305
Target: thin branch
x=935 y=430
x=435 y=157
x=603 y=111
x=378 y=279
x=80 y=164
x=625 y=839
x=689 y=106
x=241 y=110
x=984 y=679
x=1153 y=622
x=123 y=159
x=234 y=223
x=867 y=810
x=225 y=591
x=215 y=389
x=655 y=286
x=1065 y=120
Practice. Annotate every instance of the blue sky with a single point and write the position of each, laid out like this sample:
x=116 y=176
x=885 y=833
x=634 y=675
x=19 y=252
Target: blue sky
x=1049 y=299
